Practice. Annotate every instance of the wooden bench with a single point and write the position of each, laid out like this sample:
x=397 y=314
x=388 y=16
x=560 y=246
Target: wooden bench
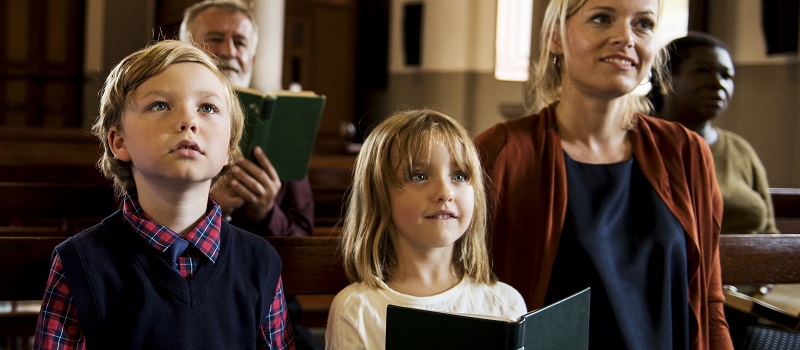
x=330 y=177
x=786 y=206
x=312 y=266
x=48 y=146
x=58 y=194
x=760 y=258
x=70 y=205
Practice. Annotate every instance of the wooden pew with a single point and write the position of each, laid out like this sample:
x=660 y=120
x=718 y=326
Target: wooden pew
x=68 y=194
x=330 y=177
x=70 y=205
x=51 y=173
x=26 y=264
x=760 y=258
x=34 y=194
x=786 y=202
x=786 y=205
x=312 y=266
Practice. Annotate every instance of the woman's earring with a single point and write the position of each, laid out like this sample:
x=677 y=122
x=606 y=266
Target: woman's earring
x=556 y=63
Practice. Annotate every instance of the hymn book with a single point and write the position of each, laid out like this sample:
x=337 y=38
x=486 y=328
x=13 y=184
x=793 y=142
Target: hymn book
x=563 y=325
x=284 y=124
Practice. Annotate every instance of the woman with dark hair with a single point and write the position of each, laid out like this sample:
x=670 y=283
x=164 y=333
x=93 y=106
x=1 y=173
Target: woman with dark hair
x=701 y=73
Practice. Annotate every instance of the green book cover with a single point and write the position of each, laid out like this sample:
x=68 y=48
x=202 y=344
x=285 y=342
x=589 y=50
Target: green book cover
x=285 y=125
x=563 y=325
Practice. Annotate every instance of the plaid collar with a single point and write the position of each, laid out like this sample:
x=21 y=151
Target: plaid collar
x=205 y=236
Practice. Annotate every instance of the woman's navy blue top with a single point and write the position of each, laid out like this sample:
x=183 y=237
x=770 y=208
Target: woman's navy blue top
x=620 y=239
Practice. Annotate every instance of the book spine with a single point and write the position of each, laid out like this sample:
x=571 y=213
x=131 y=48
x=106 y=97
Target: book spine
x=515 y=336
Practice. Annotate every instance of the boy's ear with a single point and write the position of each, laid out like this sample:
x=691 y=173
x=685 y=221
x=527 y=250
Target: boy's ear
x=116 y=141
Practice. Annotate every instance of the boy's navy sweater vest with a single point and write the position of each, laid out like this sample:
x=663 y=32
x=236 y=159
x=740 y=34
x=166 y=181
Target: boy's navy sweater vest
x=127 y=296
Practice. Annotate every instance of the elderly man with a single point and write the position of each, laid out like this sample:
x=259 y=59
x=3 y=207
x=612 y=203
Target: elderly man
x=254 y=198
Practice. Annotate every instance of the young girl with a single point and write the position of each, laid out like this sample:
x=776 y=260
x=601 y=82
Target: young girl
x=414 y=232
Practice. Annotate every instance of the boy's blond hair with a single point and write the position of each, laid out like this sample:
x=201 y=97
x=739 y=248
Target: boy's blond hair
x=408 y=139
x=544 y=82
x=131 y=72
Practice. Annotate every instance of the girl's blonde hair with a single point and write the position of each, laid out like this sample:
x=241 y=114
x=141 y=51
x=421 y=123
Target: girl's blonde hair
x=544 y=82
x=408 y=138
x=131 y=72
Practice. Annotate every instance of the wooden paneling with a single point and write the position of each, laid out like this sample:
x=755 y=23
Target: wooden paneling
x=320 y=54
x=41 y=62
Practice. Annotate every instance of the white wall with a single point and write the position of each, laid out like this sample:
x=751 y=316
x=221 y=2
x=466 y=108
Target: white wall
x=738 y=23
x=458 y=36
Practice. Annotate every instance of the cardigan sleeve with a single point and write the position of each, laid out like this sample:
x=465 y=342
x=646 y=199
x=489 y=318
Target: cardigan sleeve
x=718 y=332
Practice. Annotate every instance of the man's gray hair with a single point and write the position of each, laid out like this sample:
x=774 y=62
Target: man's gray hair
x=231 y=5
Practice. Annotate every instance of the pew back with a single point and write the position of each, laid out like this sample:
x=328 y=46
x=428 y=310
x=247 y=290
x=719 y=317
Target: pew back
x=310 y=264
x=26 y=265
x=760 y=258
x=786 y=205
x=71 y=206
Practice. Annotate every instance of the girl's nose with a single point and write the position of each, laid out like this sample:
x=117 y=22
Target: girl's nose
x=445 y=192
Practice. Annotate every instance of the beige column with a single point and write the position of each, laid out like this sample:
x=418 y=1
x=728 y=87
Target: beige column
x=269 y=55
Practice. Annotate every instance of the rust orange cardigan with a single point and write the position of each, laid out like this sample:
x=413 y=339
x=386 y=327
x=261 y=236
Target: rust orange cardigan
x=527 y=188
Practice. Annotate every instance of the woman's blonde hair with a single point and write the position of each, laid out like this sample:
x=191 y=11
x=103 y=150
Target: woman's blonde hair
x=131 y=72
x=544 y=82
x=407 y=139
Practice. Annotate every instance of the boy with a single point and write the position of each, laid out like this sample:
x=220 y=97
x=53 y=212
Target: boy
x=165 y=271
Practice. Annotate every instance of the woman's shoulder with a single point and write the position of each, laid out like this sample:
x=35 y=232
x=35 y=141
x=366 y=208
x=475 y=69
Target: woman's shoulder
x=522 y=133
x=662 y=126
x=734 y=140
x=668 y=134
x=521 y=125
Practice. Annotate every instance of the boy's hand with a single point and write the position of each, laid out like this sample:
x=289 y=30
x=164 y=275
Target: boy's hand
x=256 y=185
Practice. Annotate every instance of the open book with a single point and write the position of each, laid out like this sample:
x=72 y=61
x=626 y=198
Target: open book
x=284 y=124
x=563 y=325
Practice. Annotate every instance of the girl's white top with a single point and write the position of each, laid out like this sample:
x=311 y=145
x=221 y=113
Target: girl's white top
x=357 y=318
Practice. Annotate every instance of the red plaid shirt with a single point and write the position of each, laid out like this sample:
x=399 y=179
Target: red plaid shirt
x=59 y=327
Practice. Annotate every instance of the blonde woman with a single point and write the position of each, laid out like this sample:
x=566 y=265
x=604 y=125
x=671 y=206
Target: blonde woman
x=592 y=193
